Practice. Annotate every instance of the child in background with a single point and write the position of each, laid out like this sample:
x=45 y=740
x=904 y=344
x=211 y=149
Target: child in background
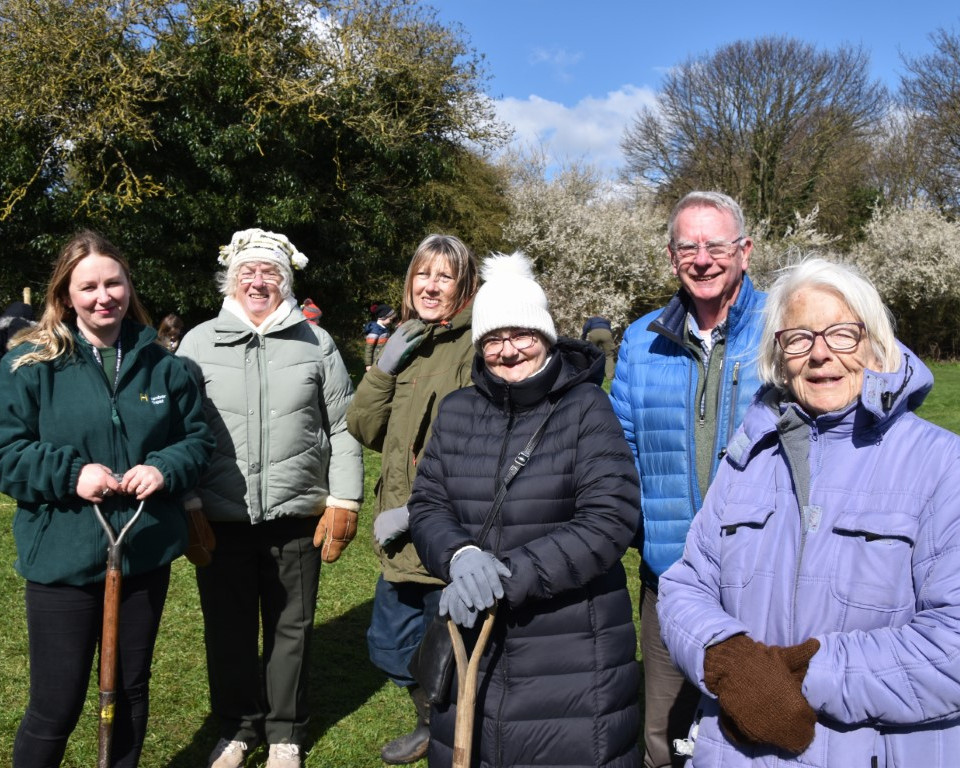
x=311 y=311
x=170 y=331
x=376 y=332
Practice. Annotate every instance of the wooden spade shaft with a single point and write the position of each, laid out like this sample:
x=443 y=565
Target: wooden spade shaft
x=109 y=632
x=467 y=672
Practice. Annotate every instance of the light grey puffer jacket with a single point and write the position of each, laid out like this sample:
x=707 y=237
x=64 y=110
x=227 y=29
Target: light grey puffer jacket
x=276 y=403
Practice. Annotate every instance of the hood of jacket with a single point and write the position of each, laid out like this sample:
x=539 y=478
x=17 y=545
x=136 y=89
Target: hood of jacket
x=570 y=362
x=884 y=397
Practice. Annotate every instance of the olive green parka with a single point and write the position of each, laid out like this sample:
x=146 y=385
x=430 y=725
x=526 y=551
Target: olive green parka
x=394 y=415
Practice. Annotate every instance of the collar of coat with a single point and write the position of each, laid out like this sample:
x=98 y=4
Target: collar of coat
x=884 y=397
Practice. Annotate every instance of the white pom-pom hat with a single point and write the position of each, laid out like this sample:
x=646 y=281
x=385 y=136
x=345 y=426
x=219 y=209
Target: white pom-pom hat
x=510 y=297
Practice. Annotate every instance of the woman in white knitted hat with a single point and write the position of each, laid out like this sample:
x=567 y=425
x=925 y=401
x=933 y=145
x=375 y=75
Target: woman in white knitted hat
x=559 y=681
x=281 y=494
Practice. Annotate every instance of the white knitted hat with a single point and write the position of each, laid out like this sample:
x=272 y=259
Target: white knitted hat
x=258 y=245
x=510 y=297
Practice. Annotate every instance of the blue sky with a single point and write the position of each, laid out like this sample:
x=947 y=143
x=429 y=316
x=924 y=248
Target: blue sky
x=570 y=75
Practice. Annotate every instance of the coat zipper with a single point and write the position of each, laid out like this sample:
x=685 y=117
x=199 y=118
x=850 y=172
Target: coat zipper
x=264 y=425
x=734 y=385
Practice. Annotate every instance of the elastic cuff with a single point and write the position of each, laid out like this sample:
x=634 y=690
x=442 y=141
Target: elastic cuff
x=76 y=466
x=457 y=553
x=333 y=501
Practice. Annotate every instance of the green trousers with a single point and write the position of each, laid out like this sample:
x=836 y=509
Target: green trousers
x=265 y=577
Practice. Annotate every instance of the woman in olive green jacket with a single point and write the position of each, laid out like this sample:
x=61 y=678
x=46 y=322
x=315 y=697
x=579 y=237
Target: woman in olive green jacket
x=428 y=357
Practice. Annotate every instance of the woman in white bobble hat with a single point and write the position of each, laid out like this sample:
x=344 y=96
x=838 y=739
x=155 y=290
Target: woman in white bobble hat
x=558 y=682
x=281 y=494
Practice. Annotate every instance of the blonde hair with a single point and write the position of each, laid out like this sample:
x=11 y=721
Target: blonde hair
x=52 y=336
x=462 y=263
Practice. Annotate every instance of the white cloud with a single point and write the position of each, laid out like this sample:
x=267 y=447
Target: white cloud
x=589 y=131
x=558 y=59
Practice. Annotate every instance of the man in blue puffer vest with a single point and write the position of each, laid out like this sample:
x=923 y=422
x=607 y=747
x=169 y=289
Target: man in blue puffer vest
x=685 y=375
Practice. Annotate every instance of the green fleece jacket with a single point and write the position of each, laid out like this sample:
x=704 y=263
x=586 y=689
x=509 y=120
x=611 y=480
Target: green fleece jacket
x=276 y=402
x=394 y=415
x=55 y=417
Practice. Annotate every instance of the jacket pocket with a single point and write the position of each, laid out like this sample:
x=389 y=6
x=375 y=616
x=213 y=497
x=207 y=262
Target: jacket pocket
x=741 y=536
x=872 y=559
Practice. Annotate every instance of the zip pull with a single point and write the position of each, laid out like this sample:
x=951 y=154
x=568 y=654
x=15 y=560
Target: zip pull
x=114 y=415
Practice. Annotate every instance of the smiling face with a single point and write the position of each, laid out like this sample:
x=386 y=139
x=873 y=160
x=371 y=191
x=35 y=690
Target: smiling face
x=512 y=364
x=713 y=283
x=822 y=380
x=99 y=293
x=433 y=290
x=258 y=289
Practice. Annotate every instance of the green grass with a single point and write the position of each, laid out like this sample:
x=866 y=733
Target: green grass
x=354 y=708
x=942 y=405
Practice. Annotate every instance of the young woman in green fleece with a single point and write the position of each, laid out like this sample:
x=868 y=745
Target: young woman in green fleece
x=93 y=412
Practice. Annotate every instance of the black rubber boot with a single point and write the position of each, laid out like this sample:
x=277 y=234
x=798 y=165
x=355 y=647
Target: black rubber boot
x=411 y=746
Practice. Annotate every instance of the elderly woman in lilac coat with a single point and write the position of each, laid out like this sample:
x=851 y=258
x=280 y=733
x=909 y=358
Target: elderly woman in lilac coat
x=817 y=604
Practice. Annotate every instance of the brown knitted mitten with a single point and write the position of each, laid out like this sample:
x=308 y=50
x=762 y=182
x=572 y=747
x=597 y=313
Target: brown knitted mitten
x=797 y=657
x=759 y=693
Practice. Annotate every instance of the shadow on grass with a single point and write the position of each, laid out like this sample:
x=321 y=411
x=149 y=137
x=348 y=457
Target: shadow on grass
x=339 y=685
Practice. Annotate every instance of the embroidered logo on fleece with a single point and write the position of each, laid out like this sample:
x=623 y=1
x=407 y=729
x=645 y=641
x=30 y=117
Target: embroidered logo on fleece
x=153 y=399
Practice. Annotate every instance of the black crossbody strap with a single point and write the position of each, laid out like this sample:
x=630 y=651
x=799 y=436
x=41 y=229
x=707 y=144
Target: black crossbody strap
x=518 y=463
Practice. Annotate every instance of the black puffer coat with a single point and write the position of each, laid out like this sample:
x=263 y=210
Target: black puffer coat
x=559 y=681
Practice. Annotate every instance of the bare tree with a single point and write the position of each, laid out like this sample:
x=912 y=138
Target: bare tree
x=930 y=93
x=773 y=122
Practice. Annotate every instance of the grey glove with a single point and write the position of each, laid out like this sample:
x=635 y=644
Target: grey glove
x=390 y=524
x=476 y=575
x=451 y=605
x=401 y=345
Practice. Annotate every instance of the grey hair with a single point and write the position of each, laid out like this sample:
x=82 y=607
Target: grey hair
x=227 y=279
x=855 y=290
x=703 y=199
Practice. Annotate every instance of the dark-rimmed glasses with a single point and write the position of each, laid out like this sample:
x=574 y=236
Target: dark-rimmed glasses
x=716 y=249
x=840 y=337
x=493 y=345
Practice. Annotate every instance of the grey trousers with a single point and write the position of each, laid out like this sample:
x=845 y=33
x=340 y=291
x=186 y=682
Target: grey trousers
x=670 y=701
x=261 y=574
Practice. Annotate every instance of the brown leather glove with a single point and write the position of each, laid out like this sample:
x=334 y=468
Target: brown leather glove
x=336 y=529
x=759 y=693
x=201 y=541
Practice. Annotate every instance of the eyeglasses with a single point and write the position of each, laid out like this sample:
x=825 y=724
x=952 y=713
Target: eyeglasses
x=715 y=249
x=840 y=337
x=493 y=345
x=269 y=276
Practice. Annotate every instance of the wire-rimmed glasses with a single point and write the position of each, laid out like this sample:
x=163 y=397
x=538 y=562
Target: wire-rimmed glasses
x=493 y=345
x=716 y=249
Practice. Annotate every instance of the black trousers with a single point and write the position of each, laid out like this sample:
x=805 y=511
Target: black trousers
x=266 y=574
x=64 y=625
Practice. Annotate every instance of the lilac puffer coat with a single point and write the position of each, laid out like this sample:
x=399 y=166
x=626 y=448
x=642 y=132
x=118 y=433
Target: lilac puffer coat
x=870 y=566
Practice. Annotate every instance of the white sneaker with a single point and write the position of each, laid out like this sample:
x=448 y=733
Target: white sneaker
x=284 y=756
x=228 y=754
